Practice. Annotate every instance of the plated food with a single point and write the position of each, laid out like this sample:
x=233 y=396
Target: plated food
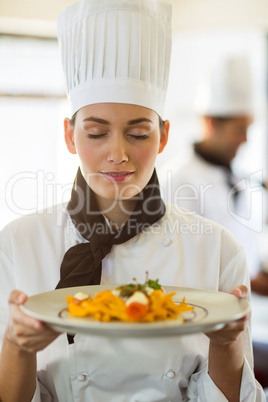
x=212 y=309
x=132 y=302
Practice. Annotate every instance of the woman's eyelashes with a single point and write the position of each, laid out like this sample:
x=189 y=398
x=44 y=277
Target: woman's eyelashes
x=96 y=136
x=139 y=137
x=132 y=136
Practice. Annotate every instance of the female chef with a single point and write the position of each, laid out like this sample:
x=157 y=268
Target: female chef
x=115 y=55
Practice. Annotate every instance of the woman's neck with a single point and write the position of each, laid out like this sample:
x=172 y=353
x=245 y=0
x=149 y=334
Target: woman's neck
x=116 y=211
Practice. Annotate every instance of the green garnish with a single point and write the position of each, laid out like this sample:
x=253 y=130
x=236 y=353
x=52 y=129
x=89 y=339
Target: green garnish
x=129 y=289
x=153 y=284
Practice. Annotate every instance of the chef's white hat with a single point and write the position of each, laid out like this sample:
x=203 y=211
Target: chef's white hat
x=116 y=51
x=227 y=89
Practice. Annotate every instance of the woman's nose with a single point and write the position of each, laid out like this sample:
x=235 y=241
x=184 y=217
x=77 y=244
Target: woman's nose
x=117 y=152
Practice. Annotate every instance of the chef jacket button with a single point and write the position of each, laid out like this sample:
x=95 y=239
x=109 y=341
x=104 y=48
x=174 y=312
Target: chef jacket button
x=167 y=242
x=170 y=374
x=81 y=377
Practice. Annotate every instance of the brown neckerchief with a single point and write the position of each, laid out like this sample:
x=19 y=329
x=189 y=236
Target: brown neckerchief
x=82 y=263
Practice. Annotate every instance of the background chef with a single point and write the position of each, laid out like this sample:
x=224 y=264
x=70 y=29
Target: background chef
x=203 y=182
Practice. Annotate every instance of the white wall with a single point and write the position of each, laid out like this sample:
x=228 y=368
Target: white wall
x=33 y=171
x=32 y=144
x=189 y=15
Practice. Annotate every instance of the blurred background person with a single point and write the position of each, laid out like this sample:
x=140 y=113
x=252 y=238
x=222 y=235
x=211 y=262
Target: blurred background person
x=204 y=182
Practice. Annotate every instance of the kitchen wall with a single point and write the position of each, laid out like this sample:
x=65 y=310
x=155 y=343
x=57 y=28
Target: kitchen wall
x=33 y=104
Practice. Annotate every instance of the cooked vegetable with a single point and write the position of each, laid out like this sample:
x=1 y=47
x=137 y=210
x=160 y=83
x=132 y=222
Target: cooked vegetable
x=129 y=303
x=136 y=311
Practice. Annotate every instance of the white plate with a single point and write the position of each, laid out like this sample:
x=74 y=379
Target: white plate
x=211 y=311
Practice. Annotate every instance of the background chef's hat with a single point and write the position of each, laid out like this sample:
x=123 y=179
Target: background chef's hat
x=226 y=90
x=116 y=51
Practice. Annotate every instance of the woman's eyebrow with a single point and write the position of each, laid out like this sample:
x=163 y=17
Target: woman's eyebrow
x=140 y=120
x=130 y=122
x=97 y=120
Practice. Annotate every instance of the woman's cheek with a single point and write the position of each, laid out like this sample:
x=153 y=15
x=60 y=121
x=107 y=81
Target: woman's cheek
x=147 y=156
x=87 y=156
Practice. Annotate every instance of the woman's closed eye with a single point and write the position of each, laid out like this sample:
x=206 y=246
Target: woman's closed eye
x=139 y=137
x=96 y=136
x=102 y=135
x=139 y=133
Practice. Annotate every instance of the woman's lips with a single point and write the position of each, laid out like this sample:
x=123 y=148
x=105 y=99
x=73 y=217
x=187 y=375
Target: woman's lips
x=117 y=176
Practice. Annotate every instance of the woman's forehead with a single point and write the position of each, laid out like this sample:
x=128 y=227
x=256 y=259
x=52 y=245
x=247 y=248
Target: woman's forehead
x=115 y=111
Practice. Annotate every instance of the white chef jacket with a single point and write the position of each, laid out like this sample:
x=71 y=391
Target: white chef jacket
x=179 y=250
x=201 y=187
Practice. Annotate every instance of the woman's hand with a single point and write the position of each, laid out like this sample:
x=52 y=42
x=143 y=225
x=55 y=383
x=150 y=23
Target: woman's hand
x=27 y=333
x=231 y=331
x=24 y=337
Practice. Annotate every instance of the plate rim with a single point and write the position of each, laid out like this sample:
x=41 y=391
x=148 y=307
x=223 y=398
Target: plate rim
x=164 y=328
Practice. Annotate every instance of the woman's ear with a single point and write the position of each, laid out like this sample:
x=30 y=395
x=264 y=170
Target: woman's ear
x=163 y=136
x=69 y=136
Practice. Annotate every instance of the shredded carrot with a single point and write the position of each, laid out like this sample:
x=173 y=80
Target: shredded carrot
x=105 y=306
x=136 y=310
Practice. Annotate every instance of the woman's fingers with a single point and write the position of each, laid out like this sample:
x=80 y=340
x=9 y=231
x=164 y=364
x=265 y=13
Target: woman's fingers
x=17 y=299
x=26 y=332
x=240 y=291
x=232 y=330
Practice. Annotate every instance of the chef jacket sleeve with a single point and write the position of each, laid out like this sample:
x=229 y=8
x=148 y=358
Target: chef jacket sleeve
x=8 y=283
x=203 y=389
x=41 y=394
x=7 y=276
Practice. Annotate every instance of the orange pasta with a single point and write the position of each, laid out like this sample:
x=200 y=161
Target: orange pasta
x=141 y=304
